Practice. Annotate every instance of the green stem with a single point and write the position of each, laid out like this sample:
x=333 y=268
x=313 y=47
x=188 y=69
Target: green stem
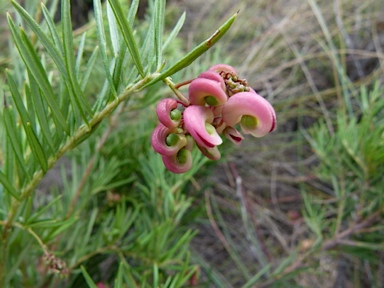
x=178 y=94
x=71 y=143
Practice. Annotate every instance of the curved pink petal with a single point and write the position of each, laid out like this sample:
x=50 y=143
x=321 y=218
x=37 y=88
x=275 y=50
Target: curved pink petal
x=202 y=91
x=212 y=75
x=220 y=68
x=180 y=162
x=163 y=111
x=211 y=153
x=233 y=135
x=254 y=107
x=196 y=119
x=159 y=137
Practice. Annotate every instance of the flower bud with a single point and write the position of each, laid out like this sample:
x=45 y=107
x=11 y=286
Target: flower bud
x=233 y=135
x=211 y=153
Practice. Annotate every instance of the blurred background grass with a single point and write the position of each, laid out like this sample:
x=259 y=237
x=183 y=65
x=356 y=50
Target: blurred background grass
x=310 y=59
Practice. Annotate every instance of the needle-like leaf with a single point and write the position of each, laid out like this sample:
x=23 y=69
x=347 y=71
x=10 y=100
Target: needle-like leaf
x=127 y=34
x=40 y=111
x=159 y=27
x=103 y=43
x=113 y=30
x=36 y=148
x=195 y=53
x=175 y=31
x=32 y=61
x=47 y=43
x=52 y=29
x=15 y=143
x=7 y=185
x=78 y=95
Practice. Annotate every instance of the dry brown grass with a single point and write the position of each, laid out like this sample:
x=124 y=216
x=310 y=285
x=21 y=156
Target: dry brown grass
x=254 y=208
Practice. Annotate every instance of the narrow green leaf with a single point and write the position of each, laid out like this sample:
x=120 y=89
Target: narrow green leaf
x=16 y=142
x=113 y=30
x=36 y=148
x=133 y=11
x=91 y=222
x=9 y=165
x=40 y=111
x=175 y=31
x=22 y=254
x=90 y=65
x=120 y=276
x=33 y=64
x=45 y=223
x=52 y=29
x=127 y=34
x=155 y=275
x=42 y=210
x=53 y=8
x=87 y=278
x=8 y=186
x=195 y=53
x=62 y=227
x=103 y=43
x=29 y=107
x=78 y=95
x=147 y=51
x=51 y=49
x=159 y=27
x=80 y=53
x=117 y=72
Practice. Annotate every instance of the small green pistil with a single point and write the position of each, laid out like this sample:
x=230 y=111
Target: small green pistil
x=175 y=115
x=249 y=121
x=210 y=129
x=172 y=139
x=211 y=100
x=182 y=155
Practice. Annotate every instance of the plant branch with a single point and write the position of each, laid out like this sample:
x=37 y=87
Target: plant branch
x=91 y=164
x=71 y=143
x=173 y=87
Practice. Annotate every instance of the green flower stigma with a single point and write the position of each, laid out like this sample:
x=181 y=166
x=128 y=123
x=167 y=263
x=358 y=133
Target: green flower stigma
x=249 y=121
x=183 y=155
x=175 y=115
x=211 y=100
x=210 y=129
x=172 y=139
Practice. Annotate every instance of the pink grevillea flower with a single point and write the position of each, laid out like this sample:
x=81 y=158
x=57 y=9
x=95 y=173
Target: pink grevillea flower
x=255 y=114
x=233 y=135
x=212 y=75
x=220 y=68
x=197 y=121
x=167 y=113
x=180 y=162
x=166 y=141
x=205 y=91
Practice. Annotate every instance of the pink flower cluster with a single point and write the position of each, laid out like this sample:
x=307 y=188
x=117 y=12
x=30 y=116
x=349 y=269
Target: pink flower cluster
x=218 y=100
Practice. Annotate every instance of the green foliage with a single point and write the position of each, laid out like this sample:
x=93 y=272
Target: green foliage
x=114 y=214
